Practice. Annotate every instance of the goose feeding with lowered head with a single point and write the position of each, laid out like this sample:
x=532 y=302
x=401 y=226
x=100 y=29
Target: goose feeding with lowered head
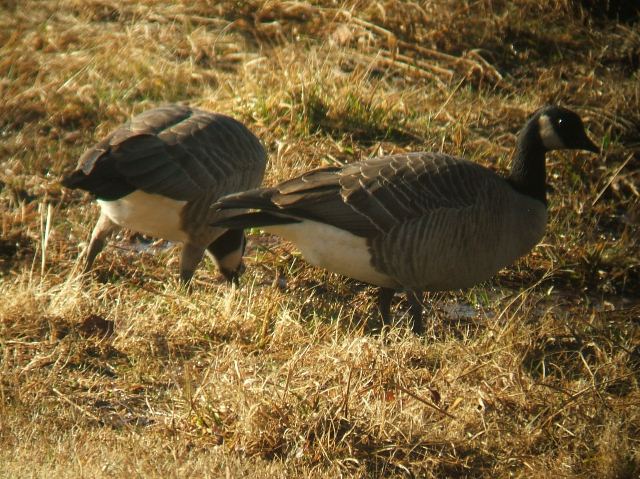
x=418 y=221
x=159 y=173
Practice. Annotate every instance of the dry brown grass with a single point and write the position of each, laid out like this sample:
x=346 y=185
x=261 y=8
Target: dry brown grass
x=534 y=374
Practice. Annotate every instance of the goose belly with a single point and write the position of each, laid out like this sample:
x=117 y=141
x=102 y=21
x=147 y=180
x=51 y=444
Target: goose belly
x=333 y=249
x=147 y=213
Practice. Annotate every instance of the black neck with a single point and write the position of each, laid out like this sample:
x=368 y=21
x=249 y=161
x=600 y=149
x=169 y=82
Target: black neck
x=528 y=174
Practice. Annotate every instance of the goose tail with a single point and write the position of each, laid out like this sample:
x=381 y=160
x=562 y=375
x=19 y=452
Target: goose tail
x=267 y=213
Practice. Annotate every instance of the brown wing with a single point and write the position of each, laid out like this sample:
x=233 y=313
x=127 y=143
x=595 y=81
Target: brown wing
x=392 y=189
x=174 y=151
x=371 y=197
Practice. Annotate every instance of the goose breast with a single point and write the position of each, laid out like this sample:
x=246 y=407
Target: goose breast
x=458 y=247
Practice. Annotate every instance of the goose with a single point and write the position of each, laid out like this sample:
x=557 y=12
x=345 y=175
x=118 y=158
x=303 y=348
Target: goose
x=417 y=221
x=159 y=173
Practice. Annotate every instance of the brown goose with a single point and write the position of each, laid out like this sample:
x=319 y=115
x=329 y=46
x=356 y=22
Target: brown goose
x=159 y=173
x=418 y=221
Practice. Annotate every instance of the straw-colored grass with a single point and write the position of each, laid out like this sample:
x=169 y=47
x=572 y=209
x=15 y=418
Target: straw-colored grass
x=533 y=374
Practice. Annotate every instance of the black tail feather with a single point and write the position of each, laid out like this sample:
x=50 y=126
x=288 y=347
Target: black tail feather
x=252 y=199
x=254 y=220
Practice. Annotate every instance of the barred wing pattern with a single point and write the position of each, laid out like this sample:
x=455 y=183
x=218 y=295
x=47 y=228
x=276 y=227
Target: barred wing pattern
x=393 y=189
x=371 y=197
x=179 y=152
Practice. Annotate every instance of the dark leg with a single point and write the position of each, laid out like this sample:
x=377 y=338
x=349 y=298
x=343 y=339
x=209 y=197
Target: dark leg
x=101 y=231
x=227 y=251
x=191 y=257
x=385 y=295
x=415 y=310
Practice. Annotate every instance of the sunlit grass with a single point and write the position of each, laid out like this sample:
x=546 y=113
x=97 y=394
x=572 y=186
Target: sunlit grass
x=533 y=374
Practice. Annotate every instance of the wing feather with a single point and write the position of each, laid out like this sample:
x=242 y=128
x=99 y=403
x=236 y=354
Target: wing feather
x=175 y=151
x=371 y=197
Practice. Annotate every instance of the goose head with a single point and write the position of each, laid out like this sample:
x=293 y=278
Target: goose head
x=230 y=251
x=550 y=128
x=562 y=129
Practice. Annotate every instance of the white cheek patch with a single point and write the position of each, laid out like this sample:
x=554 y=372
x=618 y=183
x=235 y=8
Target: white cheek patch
x=548 y=135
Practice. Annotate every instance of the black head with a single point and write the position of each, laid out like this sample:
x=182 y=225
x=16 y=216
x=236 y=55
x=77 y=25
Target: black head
x=227 y=250
x=562 y=129
x=233 y=276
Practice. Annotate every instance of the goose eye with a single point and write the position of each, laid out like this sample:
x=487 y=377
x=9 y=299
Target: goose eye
x=559 y=122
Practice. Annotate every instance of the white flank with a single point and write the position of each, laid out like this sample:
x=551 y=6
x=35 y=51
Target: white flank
x=550 y=138
x=147 y=213
x=333 y=249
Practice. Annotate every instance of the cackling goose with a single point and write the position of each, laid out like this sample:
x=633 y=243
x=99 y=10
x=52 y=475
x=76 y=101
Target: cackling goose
x=159 y=173
x=417 y=221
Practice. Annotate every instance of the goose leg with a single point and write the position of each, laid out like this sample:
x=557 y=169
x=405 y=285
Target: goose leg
x=101 y=231
x=191 y=257
x=416 y=310
x=385 y=295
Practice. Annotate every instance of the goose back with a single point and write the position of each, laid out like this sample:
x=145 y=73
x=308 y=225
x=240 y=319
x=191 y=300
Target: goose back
x=174 y=151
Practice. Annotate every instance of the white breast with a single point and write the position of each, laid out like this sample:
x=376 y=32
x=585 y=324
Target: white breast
x=333 y=249
x=147 y=213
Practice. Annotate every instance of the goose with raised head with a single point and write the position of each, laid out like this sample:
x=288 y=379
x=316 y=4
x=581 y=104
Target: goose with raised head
x=159 y=174
x=416 y=221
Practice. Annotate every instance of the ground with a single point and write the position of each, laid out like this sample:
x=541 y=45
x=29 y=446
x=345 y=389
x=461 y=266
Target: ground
x=532 y=374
